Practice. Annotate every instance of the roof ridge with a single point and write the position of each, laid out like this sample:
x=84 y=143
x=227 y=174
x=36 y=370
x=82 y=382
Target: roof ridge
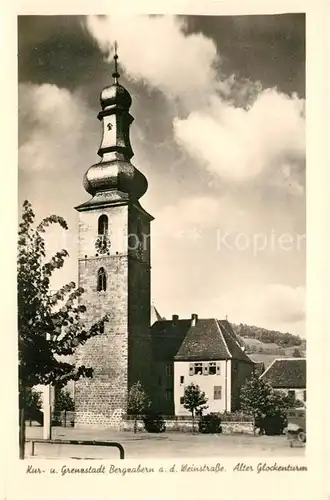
x=271 y=364
x=223 y=338
x=290 y=359
x=234 y=337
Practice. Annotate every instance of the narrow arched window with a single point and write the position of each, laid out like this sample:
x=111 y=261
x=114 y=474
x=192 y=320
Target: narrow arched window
x=101 y=280
x=103 y=225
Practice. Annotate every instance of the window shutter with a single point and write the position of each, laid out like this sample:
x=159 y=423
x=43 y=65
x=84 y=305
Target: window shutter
x=218 y=368
x=191 y=368
x=205 y=368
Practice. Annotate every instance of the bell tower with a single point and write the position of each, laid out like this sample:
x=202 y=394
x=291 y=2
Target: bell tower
x=114 y=269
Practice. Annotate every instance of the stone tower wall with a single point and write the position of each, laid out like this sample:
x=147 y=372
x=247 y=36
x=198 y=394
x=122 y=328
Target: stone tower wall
x=120 y=356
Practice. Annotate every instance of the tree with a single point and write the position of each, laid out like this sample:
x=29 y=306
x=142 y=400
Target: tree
x=195 y=401
x=296 y=353
x=63 y=401
x=32 y=404
x=267 y=406
x=49 y=323
x=254 y=397
x=138 y=402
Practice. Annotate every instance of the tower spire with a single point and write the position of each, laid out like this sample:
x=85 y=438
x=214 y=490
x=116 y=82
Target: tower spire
x=115 y=74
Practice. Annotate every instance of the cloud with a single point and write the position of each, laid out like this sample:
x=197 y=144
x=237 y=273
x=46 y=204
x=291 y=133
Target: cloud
x=223 y=255
x=188 y=213
x=164 y=55
x=234 y=128
x=271 y=306
x=53 y=127
x=274 y=306
x=240 y=143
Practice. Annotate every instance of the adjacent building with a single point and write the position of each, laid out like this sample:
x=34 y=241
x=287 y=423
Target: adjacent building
x=288 y=375
x=204 y=351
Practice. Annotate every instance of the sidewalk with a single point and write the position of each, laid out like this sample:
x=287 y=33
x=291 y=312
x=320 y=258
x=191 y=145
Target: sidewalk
x=168 y=445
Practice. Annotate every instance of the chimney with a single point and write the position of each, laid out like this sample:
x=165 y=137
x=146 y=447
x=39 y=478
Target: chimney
x=194 y=318
x=175 y=319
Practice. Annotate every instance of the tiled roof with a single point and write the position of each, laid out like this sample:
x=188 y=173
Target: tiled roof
x=286 y=373
x=232 y=342
x=166 y=337
x=203 y=341
x=209 y=339
x=259 y=368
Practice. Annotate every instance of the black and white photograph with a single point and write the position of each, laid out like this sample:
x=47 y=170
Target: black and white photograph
x=161 y=259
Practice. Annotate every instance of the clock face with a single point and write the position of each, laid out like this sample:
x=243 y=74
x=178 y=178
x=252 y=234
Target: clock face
x=102 y=244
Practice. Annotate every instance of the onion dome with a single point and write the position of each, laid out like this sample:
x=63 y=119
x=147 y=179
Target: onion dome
x=115 y=95
x=114 y=177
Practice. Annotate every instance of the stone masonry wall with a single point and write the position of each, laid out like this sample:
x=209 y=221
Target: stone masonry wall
x=186 y=426
x=119 y=356
x=102 y=400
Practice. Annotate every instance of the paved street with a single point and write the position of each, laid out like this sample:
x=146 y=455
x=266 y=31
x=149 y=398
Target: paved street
x=167 y=445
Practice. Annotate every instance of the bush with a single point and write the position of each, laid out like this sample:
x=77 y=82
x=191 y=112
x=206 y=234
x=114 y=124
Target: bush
x=153 y=422
x=274 y=425
x=210 y=424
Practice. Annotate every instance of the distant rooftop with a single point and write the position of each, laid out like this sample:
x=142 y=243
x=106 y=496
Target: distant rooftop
x=286 y=373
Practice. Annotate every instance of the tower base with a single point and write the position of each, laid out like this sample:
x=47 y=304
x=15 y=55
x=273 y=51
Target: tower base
x=89 y=420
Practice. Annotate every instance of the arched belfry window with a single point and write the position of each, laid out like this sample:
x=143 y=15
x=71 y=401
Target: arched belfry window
x=103 y=225
x=101 y=280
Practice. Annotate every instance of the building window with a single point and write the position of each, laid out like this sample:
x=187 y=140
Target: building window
x=182 y=400
x=182 y=379
x=217 y=392
x=169 y=394
x=292 y=394
x=198 y=368
x=304 y=395
x=212 y=368
x=169 y=369
x=101 y=280
x=103 y=225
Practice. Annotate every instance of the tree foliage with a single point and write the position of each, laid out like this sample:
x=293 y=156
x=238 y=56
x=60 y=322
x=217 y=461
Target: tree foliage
x=49 y=323
x=32 y=404
x=268 y=336
x=194 y=400
x=63 y=401
x=259 y=399
x=138 y=401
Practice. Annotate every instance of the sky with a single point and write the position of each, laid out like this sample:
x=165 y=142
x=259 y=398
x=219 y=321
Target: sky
x=219 y=132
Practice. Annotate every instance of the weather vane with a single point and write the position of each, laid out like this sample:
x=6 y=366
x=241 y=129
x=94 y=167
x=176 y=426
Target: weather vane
x=115 y=74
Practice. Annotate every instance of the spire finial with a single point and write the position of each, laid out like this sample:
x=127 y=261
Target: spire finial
x=115 y=74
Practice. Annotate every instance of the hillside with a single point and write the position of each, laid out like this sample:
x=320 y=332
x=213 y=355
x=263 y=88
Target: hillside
x=264 y=345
